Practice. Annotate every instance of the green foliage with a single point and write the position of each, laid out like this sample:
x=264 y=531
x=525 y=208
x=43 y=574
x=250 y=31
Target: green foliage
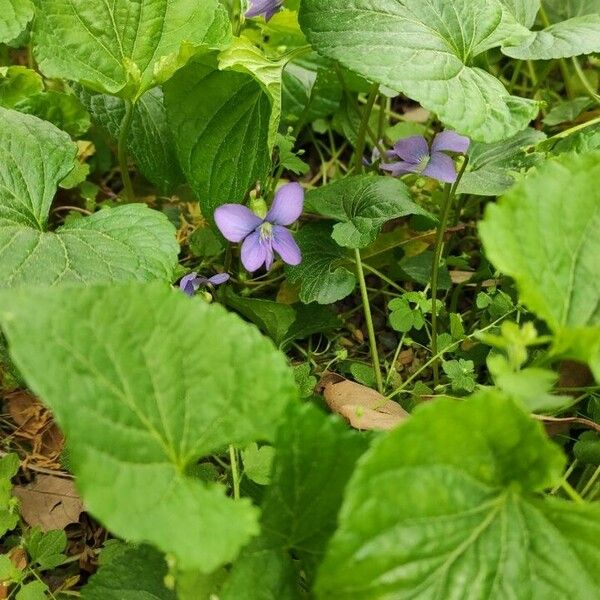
x=362 y=205
x=461 y=374
x=426 y=51
x=474 y=513
x=18 y=83
x=553 y=254
x=14 y=17
x=220 y=123
x=124 y=48
x=9 y=514
x=46 y=549
x=125 y=243
x=163 y=400
x=257 y=463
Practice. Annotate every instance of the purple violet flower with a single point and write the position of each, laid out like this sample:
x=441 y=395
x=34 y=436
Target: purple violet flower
x=417 y=157
x=262 y=237
x=191 y=283
x=266 y=8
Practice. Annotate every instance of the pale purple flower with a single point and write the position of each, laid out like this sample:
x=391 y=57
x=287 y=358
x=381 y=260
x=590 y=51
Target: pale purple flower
x=261 y=238
x=192 y=282
x=417 y=157
x=266 y=8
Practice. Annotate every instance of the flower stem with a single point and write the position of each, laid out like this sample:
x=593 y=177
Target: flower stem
x=235 y=475
x=369 y=320
x=362 y=132
x=122 y=150
x=449 y=193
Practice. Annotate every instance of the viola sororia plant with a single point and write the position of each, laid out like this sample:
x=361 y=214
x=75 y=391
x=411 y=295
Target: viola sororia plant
x=300 y=299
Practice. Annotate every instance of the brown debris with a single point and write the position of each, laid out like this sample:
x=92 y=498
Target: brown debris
x=361 y=406
x=49 y=502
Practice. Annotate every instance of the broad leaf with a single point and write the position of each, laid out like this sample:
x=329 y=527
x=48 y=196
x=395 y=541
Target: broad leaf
x=560 y=10
x=135 y=573
x=18 y=83
x=362 y=204
x=580 y=35
x=523 y=11
x=493 y=168
x=147 y=384
x=424 y=50
x=14 y=17
x=123 y=243
x=553 y=253
x=322 y=274
x=451 y=498
x=149 y=143
x=583 y=141
x=9 y=512
x=120 y=48
x=220 y=124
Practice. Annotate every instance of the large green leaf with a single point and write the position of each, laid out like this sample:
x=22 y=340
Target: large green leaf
x=123 y=243
x=145 y=384
x=125 y=46
x=560 y=10
x=543 y=233
x=425 y=50
x=322 y=275
x=362 y=204
x=580 y=35
x=14 y=16
x=220 y=124
x=448 y=505
x=18 y=83
x=149 y=142
x=524 y=11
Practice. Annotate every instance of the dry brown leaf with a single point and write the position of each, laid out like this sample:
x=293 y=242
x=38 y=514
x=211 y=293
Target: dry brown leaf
x=361 y=406
x=49 y=502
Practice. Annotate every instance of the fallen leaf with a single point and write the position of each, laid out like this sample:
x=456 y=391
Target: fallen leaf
x=361 y=406
x=49 y=502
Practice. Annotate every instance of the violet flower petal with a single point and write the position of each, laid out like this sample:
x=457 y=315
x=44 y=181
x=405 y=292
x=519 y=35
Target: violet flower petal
x=186 y=285
x=441 y=167
x=254 y=252
x=400 y=168
x=450 y=142
x=270 y=255
x=287 y=206
x=266 y=8
x=285 y=245
x=412 y=149
x=219 y=278
x=236 y=221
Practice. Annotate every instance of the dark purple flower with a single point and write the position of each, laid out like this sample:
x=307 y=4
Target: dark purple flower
x=191 y=283
x=262 y=237
x=417 y=157
x=266 y=8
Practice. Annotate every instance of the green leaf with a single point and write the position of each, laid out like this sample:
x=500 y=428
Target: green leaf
x=580 y=35
x=362 y=204
x=424 y=50
x=133 y=572
x=321 y=274
x=123 y=243
x=18 y=83
x=553 y=253
x=587 y=448
x=580 y=142
x=220 y=124
x=560 y=10
x=34 y=590
x=165 y=381
x=461 y=374
x=149 y=143
x=63 y=110
x=315 y=456
x=245 y=57
x=568 y=111
x=46 y=548
x=14 y=17
x=470 y=473
x=494 y=168
x=523 y=11
x=120 y=48
x=257 y=463
x=9 y=514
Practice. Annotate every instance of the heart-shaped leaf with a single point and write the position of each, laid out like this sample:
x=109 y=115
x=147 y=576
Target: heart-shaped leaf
x=424 y=50
x=146 y=384
x=452 y=498
x=123 y=243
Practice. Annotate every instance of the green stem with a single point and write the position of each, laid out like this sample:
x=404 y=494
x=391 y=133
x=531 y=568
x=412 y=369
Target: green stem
x=571 y=492
x=590 y=484
x=235 y=475
x=362 y=132
x=565 y=477
x=237 y=17
x=449 y=193
x=369 y=320
x=122 y=150
x=584 y=81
